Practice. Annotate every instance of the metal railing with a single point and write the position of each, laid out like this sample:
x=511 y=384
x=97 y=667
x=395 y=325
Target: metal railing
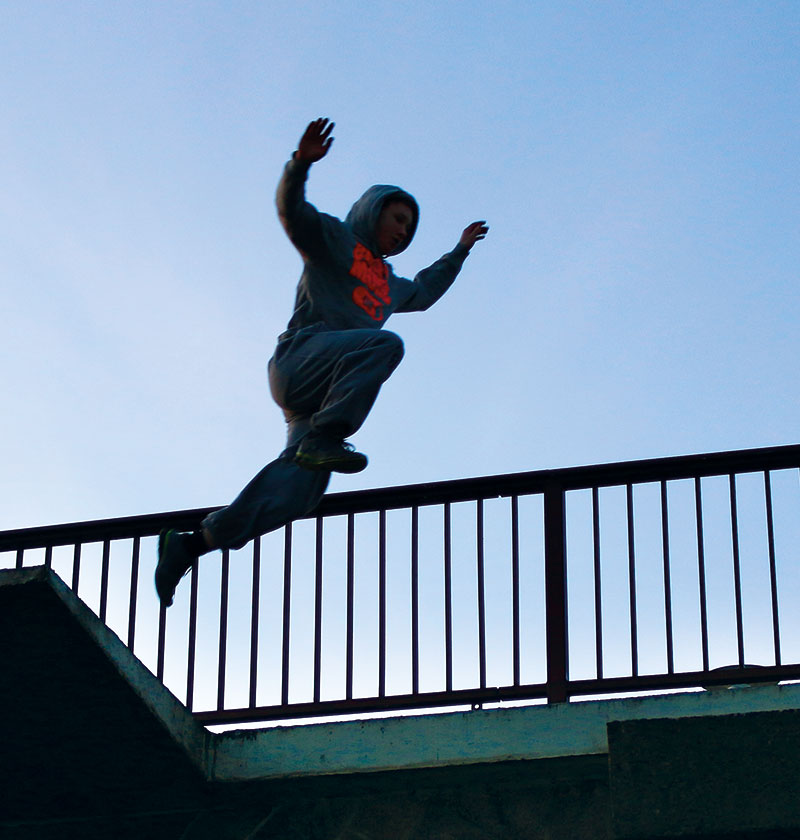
x=678 y=572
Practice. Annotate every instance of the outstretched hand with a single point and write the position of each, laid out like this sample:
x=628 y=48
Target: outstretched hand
x=473 y=233
x=316 y=141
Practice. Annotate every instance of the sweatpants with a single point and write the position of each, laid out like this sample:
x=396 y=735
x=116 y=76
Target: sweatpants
x=326 y=381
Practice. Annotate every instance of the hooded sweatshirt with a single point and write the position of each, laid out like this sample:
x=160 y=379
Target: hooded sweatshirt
x=346 y=284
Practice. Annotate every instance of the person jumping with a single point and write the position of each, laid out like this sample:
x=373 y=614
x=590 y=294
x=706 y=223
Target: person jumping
x=332 y=359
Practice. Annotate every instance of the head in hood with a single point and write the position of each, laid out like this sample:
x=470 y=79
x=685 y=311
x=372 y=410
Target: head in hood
x=365 y=214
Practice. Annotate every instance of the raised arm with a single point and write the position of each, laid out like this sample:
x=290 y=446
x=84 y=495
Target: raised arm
x=300 y=219
x=432 y=282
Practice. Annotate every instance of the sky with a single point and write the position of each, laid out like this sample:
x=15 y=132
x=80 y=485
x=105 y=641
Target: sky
x=637 y=163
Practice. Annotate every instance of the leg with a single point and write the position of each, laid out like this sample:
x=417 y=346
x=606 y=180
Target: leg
x=280 y=493
x=331 y=379
x=333 y=376
x=326 y=382
x=356 y=381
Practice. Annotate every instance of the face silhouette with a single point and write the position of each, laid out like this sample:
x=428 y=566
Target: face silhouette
x=394 y=225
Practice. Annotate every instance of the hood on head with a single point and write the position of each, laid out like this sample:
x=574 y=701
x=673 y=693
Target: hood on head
x=364 y=214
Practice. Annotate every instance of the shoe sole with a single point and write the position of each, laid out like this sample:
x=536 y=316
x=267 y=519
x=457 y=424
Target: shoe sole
x=351 y=465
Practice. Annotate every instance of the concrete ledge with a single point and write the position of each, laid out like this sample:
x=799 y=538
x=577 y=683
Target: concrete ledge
x=520 y=733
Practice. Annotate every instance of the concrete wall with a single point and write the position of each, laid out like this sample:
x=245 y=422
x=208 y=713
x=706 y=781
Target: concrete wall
x=93 y=746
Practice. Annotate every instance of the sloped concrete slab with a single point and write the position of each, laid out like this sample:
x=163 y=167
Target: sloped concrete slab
x=85 y=728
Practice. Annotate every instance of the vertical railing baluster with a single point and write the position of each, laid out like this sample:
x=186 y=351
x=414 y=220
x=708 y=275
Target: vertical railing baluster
x=632 y=581
x=48 y=557
x=515 y=606
x=223 y=629
x=415 y=600
x=318 y=609
x=254 y=615
x=737 y=575
x=701 y=571
x=448 y=601
x=287 y=599
x=481 y=597
x=104 y=580
x=382 y=604
x=667 y=578
x=133 y=599
x=350 y=592
x=773 y=573
x=20 y=558
x=598 y=584
x=162 y=641
x=555 y=575
x=76 y=567
x=191 y=658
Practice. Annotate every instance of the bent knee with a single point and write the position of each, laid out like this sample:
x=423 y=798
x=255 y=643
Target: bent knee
x=394 y=346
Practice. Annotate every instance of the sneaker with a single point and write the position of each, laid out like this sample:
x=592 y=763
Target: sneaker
x=317 y=452
x=174 y=560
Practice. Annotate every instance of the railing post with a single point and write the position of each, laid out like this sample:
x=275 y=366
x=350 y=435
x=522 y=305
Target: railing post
x=555 y=577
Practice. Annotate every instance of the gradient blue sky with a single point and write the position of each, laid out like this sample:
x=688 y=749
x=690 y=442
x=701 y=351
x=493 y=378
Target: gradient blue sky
x=637 y=296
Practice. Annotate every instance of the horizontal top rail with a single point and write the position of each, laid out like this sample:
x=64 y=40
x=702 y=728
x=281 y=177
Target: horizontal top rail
x=418 y=495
